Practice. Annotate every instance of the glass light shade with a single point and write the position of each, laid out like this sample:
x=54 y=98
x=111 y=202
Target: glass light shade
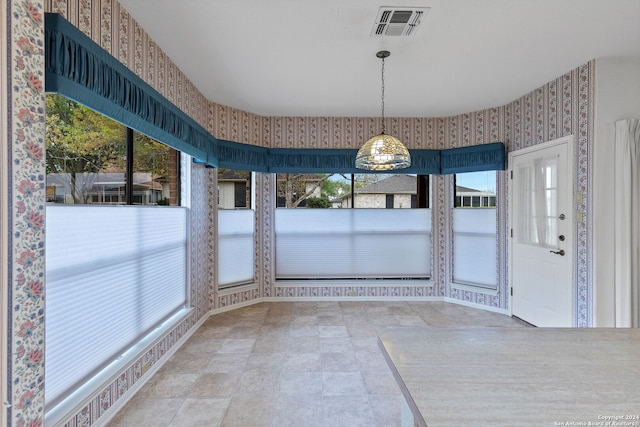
x=383 y=152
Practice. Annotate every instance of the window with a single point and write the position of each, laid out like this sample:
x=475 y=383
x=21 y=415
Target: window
x=92 y=159
x=352 y=191
x=389 y=204
x=114 y=273
x=381 y=239
x=234 y=189
x=236 y=228
x=474 y=229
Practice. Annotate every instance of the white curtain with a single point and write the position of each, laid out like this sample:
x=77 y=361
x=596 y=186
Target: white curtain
x=540 y=204
x=627 y=223
x=536 y=181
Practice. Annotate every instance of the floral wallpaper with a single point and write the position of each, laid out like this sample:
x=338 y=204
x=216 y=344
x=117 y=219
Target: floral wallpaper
x=562 y=106
x=26 y=200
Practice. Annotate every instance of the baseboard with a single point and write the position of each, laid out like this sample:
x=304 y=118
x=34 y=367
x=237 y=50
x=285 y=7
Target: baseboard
x=235 y=306
x=478 y=306
x=359 y=298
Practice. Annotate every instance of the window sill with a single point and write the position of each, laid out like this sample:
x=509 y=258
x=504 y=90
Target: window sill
x=78 y=398
x=335 y=283
x=483 y=289
x=233 y=289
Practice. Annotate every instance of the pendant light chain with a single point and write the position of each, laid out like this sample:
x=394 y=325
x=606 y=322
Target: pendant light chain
x=383 y=152
x=382 y=75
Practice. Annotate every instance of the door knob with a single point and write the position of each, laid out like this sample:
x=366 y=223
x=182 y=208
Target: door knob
x=560 y=252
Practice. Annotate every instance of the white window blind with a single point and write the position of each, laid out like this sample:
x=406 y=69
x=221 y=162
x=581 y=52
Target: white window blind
x=236 y=246
x=474 y=247
x=353 y=243
x=113 y=273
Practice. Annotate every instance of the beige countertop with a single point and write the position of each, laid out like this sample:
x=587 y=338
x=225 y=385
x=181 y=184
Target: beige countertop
x=516 y=376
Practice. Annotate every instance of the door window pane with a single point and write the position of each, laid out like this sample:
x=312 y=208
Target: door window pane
x=537 y=186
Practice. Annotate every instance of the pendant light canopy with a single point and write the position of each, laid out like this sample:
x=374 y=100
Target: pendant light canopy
x=383 y=152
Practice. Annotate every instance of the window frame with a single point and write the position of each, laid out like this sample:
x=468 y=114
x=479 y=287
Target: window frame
x=465 y=203
x=128 y=192
x=423 y=186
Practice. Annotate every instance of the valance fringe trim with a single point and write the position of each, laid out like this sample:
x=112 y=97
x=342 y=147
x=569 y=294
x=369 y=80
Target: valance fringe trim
x=76 y=67
x=473 y=159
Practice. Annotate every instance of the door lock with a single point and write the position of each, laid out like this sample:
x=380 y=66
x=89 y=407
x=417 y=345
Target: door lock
x=560 y=252
x=561 y=237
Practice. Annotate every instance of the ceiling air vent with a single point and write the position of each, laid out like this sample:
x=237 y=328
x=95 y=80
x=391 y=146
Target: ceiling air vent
x=398 y=21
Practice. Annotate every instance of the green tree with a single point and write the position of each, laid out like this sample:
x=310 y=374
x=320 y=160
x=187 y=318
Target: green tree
x=336 y=186
x=80 y=141
x=296 y=188
x=317 y=202
x=151 y=156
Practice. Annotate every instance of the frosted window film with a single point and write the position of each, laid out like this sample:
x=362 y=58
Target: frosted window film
x=112 y=274
x=353 y=243
x=474 y=246
x=236 y=246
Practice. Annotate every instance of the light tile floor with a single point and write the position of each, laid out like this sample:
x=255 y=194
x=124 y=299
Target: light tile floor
x=299 y=364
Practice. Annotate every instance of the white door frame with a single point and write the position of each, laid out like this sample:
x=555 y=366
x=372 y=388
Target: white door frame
x=570 y=141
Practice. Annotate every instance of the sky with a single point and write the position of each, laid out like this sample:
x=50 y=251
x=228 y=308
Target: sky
x=483 y=181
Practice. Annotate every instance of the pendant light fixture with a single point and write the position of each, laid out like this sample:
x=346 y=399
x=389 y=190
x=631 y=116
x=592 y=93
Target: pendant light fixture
x=383 y=152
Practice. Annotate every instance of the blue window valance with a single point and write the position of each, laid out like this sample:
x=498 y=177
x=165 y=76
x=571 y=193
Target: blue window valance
x=78 y=68
x=474 y=158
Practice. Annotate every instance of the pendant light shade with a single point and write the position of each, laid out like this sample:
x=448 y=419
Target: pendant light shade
x=383 y=152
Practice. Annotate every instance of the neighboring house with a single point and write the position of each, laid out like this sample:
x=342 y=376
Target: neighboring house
x=396 y=191
x=400 y=191
x=234 y=189
x=105 y=188
x=472 y=198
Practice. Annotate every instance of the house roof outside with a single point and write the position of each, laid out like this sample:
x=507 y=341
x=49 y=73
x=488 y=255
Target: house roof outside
x=405 y=184
x=395 y=184
x=233 y=175
x=461 y=189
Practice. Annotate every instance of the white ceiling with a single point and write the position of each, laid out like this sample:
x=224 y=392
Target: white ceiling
x=316 y=57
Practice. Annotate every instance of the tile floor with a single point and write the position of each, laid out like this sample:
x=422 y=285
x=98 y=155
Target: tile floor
x=299 y=364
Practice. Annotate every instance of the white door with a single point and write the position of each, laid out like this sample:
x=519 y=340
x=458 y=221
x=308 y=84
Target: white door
x=542 y=224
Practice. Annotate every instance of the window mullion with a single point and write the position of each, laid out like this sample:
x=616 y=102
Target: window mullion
x=128 y=190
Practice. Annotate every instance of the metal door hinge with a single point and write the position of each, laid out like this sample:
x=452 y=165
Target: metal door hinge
x=511 y=174
x=511 y=291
